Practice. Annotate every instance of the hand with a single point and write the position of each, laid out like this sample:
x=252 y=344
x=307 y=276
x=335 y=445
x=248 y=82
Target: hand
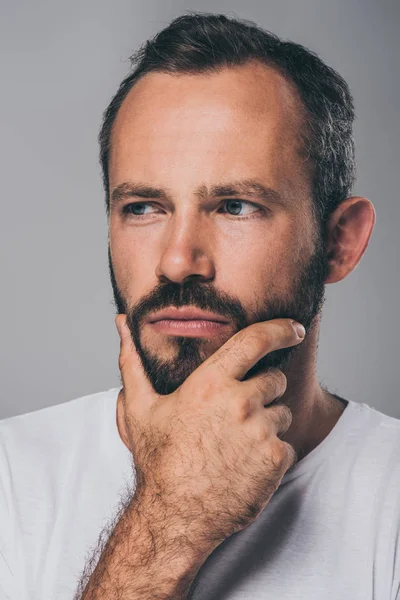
x=210 y=451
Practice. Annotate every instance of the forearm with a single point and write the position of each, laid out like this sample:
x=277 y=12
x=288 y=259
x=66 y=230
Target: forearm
x=148 y=556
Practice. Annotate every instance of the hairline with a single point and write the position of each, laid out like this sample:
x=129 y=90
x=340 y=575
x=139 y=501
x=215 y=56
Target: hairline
x=300 y=128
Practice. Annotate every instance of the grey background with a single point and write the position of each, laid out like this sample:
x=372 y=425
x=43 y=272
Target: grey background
x=61 y=63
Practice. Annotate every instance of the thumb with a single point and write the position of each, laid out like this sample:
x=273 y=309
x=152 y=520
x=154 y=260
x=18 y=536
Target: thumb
x=134 y=379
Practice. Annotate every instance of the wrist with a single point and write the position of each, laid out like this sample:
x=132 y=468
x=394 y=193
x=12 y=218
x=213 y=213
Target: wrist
x=173 y=529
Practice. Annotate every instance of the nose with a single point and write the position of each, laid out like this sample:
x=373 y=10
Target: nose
x=186 y=250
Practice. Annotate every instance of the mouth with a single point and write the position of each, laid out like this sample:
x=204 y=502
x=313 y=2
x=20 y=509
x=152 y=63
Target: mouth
x=189 y=327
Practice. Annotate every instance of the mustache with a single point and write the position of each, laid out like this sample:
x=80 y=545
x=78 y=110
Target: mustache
x=194 y=294
x=305 y=301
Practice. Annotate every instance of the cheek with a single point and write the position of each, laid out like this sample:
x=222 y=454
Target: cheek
x=257 y=271
x=130 y=259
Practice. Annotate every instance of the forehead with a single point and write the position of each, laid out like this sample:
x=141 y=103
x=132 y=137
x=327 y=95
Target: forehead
x=250 y=95
x=237 y=122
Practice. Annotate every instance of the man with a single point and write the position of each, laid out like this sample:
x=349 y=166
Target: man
x=228 y=163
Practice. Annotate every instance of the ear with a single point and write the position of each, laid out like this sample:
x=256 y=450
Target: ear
x=348 y=232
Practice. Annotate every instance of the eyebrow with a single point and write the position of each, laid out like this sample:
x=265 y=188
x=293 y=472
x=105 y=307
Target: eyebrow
x=248 y=187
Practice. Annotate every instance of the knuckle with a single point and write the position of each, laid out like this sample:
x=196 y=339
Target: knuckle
x=278 y=375
x=272 y=383
x=211 y=385
x=261 y=385
x=279 y=453
x=291 y=454
x=276 y=382
x=219 y=360
x=241 y=336
x=248 y=342
x=290 y=330
x=219 y=355
x=282 y=332
x=242 y=354
x=280 y=418
x=220 y=366
x=245 y=409
x=122 y=359
x=259 y=431
x=121 y=397
x=274 y=387
x=237 y=354
x=285 y=417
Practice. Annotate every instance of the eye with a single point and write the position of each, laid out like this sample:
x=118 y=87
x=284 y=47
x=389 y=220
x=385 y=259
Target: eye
x=130 y=209
x=236 y=206
x=133 y=209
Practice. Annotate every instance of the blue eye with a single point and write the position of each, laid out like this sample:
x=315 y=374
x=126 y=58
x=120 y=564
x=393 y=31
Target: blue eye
x=238 y=202
x=130 y=209
x=134 y=205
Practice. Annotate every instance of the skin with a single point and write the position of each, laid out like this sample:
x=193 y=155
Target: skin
x=180 y=132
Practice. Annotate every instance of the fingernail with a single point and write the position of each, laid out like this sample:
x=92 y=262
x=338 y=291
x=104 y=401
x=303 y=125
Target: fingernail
x=299 y=329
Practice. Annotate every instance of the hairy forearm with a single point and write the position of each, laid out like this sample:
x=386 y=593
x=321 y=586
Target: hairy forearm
x=149 y=555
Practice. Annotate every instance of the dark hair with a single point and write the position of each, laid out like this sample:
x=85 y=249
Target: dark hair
x=202 y=42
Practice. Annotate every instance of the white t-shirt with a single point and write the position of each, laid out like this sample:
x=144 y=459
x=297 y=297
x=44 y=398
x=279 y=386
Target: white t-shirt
x=330 y=531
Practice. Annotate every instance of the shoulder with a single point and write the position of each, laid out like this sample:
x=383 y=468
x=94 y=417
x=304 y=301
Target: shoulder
x=47 y=431
x=375 y=464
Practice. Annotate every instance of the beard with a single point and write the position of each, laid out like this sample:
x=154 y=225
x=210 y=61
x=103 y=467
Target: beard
x=304 y=303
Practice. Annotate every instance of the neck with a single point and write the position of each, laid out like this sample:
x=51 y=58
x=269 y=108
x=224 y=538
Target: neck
x=315 y=410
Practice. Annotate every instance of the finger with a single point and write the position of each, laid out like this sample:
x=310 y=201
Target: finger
x=279 y=417
x=244 y=349
x=270 y=422
x=265 y=387
x=134 y=379
x=120 y=418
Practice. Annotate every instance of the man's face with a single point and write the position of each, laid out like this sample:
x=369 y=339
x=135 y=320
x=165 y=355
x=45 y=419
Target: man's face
x=201 y=238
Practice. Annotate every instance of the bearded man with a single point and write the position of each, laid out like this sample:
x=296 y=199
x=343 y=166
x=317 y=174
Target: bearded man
x=242 y=476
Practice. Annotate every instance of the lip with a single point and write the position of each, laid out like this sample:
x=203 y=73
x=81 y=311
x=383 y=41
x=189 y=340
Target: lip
x=186 y=313
x=192 y=328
